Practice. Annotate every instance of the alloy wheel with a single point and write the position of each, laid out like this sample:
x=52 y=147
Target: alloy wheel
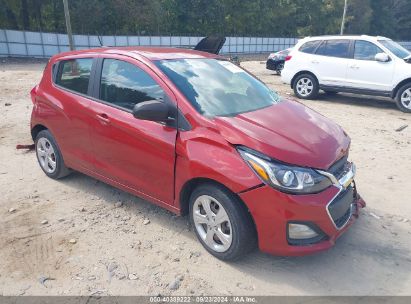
x=305 y=86
x=406 y=98
x=46 y=155
x=212 y=223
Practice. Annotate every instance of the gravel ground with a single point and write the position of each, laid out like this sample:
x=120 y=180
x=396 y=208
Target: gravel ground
x=79 y=236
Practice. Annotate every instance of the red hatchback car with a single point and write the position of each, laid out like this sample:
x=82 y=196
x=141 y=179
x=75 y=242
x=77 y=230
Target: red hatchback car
x=198 y=135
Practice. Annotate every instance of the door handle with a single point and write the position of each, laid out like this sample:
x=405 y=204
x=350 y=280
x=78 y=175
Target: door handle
x=103 y=118
x=315 y=61
x=354 y=67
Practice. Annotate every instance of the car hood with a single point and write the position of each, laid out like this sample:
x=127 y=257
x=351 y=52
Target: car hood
x=210 y=44
x=289 y=132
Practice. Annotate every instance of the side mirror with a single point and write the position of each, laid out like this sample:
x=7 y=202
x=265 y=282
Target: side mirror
x=152 y=110
x=382 y=57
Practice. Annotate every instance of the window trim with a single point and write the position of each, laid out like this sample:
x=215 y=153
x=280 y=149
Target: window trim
x=382 y=51
x=350 y=48
x=57 y=73
x=316 y=48
x=95 y=91
x=182 y=122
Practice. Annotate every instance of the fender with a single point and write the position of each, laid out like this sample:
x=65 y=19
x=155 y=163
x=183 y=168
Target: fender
x=203 y=153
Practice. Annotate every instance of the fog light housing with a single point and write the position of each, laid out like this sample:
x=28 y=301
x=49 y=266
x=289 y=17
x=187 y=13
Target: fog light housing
x=300 y=232
x=304 y=234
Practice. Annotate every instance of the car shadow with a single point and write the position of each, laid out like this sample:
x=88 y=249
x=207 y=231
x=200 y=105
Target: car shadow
x=368 y=259
x=358 y=100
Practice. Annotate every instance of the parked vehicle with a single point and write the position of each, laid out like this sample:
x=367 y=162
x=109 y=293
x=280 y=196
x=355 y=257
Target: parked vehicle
x=198 y=135
x=354 y=64
x=275 y=61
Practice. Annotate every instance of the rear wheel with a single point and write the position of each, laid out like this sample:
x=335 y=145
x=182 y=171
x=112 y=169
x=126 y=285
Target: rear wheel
x=49 y=156
x=279 y=68
x=222 y=224
x=403 y=98
x=306 y=86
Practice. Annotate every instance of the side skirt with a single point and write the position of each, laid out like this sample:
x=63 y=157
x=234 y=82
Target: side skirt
x=356 y=91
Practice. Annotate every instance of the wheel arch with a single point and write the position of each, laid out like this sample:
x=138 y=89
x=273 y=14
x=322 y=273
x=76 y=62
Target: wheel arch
x=402 y=83
x=36 y=130
x=192 y=184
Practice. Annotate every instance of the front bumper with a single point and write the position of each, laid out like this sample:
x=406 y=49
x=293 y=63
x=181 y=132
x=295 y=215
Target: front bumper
x=273 y=210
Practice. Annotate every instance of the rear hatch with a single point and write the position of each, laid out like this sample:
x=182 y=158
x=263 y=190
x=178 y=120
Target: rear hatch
x=210 y=44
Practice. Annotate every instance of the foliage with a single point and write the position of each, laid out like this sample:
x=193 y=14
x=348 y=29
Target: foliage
x=293 y=18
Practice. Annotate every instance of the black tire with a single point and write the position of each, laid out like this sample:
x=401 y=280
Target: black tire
x=403 y=105
x=330 y=93
x=310 y=79
x=242 y=230
x=279 y=68
x=60 y=169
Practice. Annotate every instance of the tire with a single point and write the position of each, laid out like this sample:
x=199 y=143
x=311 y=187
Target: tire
x=306 y=86
x=331 y=93
x=403 y=98
x=236 y=225
x=49 y=156
x=279 y=68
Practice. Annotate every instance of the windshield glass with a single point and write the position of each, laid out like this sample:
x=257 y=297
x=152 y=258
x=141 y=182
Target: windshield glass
x=218 y=87
x=395 y=48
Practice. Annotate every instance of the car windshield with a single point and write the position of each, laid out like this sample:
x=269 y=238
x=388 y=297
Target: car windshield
x=218 y=87
x=395 y=48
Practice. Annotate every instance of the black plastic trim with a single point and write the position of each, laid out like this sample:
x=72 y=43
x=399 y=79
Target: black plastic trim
x=355 y=90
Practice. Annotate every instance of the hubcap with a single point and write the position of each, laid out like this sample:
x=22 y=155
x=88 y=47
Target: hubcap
x=305 y=87
x=212 y=223
x=46 y=155
x=406 y=98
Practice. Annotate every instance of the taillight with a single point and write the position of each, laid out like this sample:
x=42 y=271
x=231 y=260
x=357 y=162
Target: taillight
x=288 y=58
x=33 y=94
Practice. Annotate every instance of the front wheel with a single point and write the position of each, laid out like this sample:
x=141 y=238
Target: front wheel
x=221 y=222
x=306 y=86
x=403 y=98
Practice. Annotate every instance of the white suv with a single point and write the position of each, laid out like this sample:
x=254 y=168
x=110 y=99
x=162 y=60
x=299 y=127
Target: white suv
x=354 y=64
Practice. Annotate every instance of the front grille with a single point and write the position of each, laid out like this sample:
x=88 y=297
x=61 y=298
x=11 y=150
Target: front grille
x=342 y=220
x=338 y=169
x=340 y=208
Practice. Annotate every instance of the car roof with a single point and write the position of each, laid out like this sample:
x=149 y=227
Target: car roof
x=150 y=53
x=351 y=37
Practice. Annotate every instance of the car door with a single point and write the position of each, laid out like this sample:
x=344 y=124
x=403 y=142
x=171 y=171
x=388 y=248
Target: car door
x=364 y=72
x=331 y=61
x=136 y=153
x=70 y=91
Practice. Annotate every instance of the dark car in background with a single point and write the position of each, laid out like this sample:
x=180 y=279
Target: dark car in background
x=275 y=61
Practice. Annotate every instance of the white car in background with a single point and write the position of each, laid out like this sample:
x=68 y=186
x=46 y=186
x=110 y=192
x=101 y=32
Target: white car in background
x=354 y=64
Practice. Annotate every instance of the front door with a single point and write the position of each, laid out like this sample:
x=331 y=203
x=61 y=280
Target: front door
x=136 y=153
x=364 y=72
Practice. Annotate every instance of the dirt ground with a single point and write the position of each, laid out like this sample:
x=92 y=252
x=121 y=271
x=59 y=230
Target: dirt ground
x=78 y=236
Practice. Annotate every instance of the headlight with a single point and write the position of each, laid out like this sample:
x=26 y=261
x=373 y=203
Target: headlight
x=290 y=179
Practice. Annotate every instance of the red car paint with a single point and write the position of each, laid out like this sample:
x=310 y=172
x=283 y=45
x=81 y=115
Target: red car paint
x=99 y=140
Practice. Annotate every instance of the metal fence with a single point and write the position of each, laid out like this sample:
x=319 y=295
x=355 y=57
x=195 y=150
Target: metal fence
x=35 y=44
x=43 y=45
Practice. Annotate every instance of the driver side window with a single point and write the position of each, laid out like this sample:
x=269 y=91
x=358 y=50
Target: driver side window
x=365 y=50
x=123 y=84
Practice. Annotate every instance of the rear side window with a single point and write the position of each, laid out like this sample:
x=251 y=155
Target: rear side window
x=335 y=48
x=123 y=84
x=365 y=50
x=75 y=74
x=310 y=47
